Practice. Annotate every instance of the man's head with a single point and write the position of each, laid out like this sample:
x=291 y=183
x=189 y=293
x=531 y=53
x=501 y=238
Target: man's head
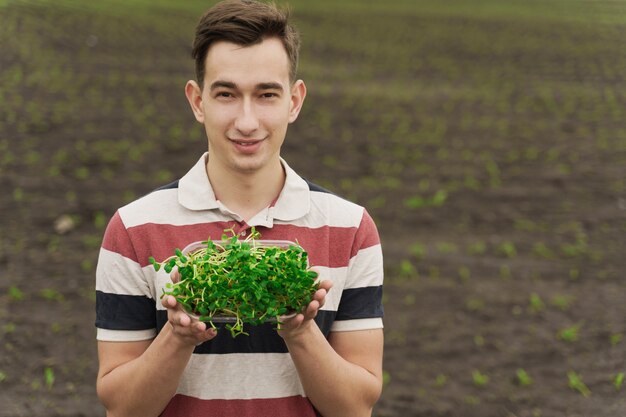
x=245 y=23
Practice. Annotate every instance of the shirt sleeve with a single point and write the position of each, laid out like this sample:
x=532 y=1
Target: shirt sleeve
x=361 y=307
x=125 y=307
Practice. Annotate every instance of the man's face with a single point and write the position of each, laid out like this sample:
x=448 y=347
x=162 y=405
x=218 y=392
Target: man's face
x=246 y=104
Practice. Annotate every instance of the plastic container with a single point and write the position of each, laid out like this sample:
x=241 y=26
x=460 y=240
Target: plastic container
x=194 y=246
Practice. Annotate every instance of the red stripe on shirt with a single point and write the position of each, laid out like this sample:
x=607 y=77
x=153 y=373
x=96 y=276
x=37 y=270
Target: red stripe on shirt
x=367 y=234
x=327 y=246
x=116 y=238
x=185 y=406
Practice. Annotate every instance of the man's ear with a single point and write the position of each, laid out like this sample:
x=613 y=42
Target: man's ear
x=194 y=96
x=298 y=93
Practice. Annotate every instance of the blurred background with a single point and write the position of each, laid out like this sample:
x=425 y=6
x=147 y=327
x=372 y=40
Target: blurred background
x=487 y=139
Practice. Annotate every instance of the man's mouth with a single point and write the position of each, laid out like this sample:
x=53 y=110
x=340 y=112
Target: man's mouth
x=246 y=143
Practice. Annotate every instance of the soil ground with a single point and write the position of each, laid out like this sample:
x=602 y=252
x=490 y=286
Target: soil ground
x=488 y=144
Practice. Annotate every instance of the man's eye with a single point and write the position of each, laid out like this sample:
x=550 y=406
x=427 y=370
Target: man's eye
x=224 y=94
x=269 y=95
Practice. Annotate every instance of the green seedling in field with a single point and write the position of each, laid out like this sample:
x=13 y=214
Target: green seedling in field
x=417 y=201
x=434 y=272
x=475 y=304
x=407 y=269
x=446 y=248
x=618 y=381
x=439 y=198
x=3 y=376
x=536 y=303
x=418 y=250
x=541 y=250
x=570 y=334
x=508 y=249
x=15 y=293
x=525 y=225
x=238 y=278
x=9 y=327
x=100 y=220
x=575 y=382
x=562 y=302
x=479 y=379
x=471 y=182
x=441 y=380
x=464 y=273
x=51 y=294
x=477 y=248
x=523 y=378
x=505 y=272
x=48 y=377
x=616 y=338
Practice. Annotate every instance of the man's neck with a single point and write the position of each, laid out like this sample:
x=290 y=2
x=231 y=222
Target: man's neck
x=246 y=193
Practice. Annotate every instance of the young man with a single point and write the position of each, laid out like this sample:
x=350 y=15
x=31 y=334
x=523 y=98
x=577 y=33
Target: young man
x=155 y=359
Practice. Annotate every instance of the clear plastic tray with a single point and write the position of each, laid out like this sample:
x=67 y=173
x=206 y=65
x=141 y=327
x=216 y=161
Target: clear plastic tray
x=255 y=243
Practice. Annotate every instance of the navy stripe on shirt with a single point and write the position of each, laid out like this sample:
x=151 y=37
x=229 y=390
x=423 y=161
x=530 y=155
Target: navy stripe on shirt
x=261 y=339
x=361 y=303
x=124 y=312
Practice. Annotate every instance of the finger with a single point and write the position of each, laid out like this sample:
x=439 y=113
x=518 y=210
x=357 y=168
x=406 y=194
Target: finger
x=168 y=301
x=184 y=320
x=320 y=296
x=175 y=276
x=312 y=309
x=209 y=334
x=326 y=284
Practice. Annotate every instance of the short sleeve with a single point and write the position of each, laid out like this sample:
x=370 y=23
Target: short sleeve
x=361 y=305
x=125 y=307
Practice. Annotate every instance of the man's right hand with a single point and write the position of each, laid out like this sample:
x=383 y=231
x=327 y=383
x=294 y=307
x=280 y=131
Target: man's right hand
x=187 y=329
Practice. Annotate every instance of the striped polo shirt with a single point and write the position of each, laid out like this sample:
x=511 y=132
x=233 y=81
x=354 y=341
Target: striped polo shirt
x=250 y=375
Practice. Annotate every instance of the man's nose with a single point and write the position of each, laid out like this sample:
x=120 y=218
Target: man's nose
x=247 y=121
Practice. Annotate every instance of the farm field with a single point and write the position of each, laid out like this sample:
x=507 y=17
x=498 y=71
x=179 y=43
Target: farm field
x=486 y=138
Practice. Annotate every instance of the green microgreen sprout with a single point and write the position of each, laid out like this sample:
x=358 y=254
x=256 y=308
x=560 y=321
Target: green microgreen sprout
x=536 y=304
x=523 y=378
x=616 y=338
x=48 y=376
x=570 y=334
x=479 y=379
x=244 y=280
x=618 y=380
x=575 y=382
x=441 y=380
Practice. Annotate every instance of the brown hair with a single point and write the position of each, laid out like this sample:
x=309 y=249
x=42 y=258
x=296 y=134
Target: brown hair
x=245 y=23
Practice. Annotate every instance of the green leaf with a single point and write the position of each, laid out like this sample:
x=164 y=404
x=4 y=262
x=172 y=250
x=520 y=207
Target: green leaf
x=48 y=376
x=15 y=293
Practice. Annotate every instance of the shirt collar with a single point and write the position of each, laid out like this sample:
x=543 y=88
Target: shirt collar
x=195 y=193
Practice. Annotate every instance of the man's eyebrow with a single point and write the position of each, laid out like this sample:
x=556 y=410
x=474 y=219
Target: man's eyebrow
x=261 y=86
x=270 y=86
x=223 y=84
